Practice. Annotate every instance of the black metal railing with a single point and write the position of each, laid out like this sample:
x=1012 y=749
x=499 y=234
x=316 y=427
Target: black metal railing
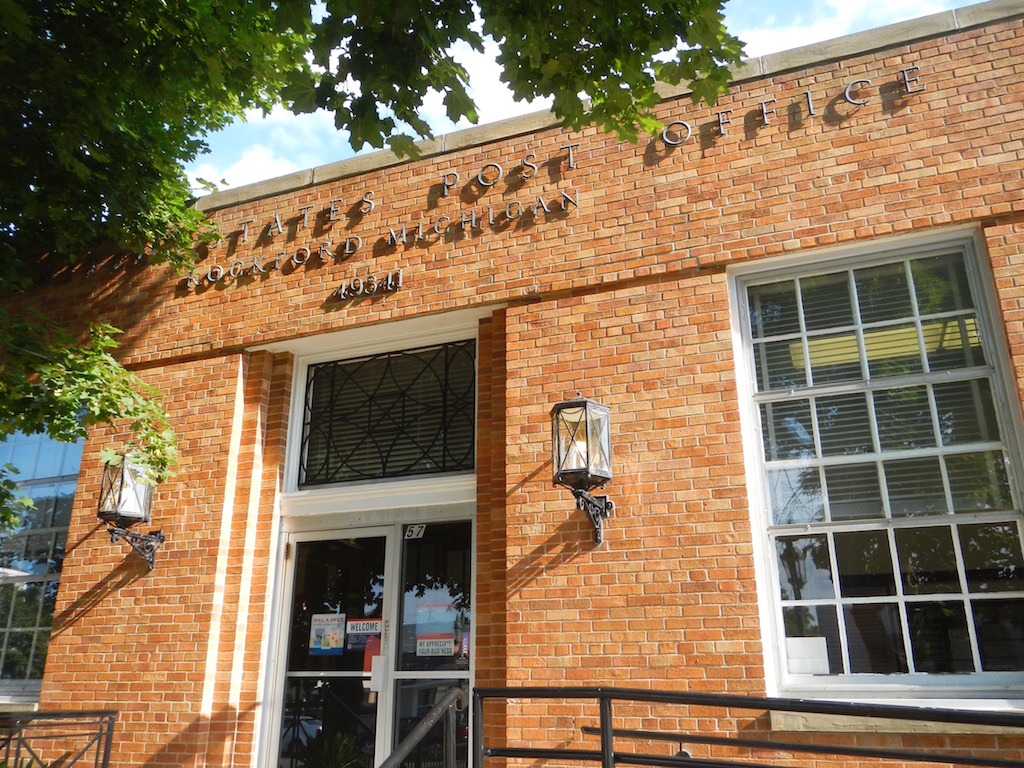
x=706 y=747
x=452 y=701
x=56 y=739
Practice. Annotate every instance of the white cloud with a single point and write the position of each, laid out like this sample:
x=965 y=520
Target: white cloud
x=493 y=98
x=802 y=22
x=257 y=163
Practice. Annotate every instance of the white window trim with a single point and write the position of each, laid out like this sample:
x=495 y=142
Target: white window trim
x=979 y=691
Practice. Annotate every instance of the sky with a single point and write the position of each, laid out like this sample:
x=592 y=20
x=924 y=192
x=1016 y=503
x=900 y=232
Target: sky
x=264 y=147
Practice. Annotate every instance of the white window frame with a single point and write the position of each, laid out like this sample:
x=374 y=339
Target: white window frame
x=976 y=690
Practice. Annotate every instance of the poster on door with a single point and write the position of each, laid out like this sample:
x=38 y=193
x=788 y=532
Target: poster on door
x=435 y=629
x=358 y=633
x=327 y=634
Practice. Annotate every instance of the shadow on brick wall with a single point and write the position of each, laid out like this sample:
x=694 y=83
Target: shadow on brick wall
x=223 y=738
x=121 y=576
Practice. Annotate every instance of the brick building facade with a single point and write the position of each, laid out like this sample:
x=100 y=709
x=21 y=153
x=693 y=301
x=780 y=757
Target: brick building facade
x=803 y=307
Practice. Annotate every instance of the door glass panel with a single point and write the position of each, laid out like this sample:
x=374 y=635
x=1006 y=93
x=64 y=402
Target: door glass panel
x=435 y=598
x=415 y=698
x=336 y=625
x=328 y=722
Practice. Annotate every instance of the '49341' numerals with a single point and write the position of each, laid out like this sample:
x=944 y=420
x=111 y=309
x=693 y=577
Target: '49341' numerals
x=374 y=285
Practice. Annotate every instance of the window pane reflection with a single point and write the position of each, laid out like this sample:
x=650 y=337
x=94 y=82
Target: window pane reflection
x=844 y=425
x=1000 y=626
x=875 y=640
x=853 y=492
x=780 y=365
x=812 y=640
x=826 y=301
x=978 y=482
x=992 y=557
x=927 y=561
x=939 y=638
x=773 y=310
x=904 y=419
x=865 y=565
x=435 y=628
x=834 y=358
x=915 y=486
x=966 y=412
x=796 y=496
x=804 y=567
x=883 y=292
x=787 y=430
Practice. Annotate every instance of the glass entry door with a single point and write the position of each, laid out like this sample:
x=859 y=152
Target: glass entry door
x=379 y=629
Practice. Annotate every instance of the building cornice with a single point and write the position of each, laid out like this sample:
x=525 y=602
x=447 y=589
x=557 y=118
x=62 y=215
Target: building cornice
x=815 y=54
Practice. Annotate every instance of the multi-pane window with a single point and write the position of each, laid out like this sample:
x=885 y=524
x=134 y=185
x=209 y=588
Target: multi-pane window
x=395 y=414
x=31 y=554
x=895 y=533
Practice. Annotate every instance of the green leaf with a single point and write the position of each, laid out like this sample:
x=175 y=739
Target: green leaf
x=404 y=146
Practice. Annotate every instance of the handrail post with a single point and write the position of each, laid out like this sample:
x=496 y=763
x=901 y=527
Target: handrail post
x=108 y=742
x=449 y=738
x=455 y=697
x=477 y=731
x=607 y=736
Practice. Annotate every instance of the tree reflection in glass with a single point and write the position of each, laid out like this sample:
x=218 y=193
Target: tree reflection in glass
x=805 y=571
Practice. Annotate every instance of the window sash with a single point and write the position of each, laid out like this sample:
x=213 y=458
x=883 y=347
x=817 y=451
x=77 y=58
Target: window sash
x=879 y=428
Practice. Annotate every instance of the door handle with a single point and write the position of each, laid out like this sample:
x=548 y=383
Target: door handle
x=377 y=673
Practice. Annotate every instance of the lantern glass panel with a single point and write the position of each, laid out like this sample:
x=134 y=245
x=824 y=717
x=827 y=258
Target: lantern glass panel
x=599 y=449
x=124 y=498
x=581 y=444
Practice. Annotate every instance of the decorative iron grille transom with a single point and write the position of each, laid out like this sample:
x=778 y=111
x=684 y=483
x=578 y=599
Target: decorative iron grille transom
x=390 y=415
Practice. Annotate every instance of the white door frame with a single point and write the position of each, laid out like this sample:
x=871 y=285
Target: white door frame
x=305 y=526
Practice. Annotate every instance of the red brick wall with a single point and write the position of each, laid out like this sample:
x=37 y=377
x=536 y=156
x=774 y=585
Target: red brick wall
x=623 y=299
x=176 y=650
x=669 y=600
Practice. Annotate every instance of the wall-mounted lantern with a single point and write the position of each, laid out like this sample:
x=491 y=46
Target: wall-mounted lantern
x=126 y=498
x=581 y=455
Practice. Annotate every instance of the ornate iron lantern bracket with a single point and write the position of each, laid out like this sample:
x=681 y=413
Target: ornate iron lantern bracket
x=598 y=508
x=146 y=544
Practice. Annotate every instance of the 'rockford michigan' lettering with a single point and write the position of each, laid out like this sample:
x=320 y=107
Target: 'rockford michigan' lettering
x=318 y=254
